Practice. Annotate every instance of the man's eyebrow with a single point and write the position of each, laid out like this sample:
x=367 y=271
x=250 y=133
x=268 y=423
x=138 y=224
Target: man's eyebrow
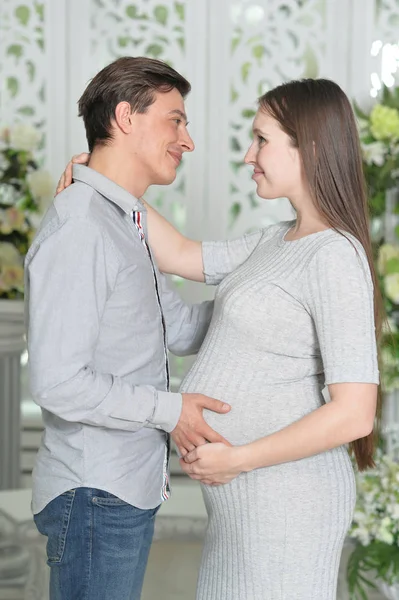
x=179 y=113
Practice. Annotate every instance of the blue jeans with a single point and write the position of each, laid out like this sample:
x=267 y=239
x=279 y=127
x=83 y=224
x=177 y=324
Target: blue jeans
x=97 y=545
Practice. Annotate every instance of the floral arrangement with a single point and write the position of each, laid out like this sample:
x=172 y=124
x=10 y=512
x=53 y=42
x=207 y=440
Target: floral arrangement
x=374 y=562
x=24 y=190
x=388 y=270
x=375 y=529
x=379 y=136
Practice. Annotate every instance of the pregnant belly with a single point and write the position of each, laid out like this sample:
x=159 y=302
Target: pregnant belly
x=253 y=416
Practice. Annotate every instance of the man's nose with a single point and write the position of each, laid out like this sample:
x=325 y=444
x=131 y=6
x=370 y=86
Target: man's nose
x=187 y=142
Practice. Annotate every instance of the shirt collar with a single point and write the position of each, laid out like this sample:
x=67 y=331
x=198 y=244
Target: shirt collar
x=108 y=188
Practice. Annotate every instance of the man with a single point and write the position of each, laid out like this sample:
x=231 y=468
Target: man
x=100 y=321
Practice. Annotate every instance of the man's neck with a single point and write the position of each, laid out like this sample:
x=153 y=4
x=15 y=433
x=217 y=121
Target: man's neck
x=114 y=164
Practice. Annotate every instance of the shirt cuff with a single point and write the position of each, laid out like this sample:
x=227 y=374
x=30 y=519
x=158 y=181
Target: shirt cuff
x=168 y=407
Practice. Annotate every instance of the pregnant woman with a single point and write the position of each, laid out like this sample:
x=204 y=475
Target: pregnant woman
x=296 y=310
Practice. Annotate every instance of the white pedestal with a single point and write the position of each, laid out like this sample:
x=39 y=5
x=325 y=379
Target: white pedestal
x=12 y=344
x=24 y=574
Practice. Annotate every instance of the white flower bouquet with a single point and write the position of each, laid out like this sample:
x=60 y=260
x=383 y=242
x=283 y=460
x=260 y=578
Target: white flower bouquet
x=24 y=190
x=375 y=529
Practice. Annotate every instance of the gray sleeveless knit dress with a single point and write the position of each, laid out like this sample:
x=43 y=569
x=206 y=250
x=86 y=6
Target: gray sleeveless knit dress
x=289 y=318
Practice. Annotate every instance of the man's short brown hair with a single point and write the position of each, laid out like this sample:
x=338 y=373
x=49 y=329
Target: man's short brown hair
x=128 y=79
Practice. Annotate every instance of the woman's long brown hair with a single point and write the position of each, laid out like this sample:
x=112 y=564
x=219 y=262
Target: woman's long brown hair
x=318 y=117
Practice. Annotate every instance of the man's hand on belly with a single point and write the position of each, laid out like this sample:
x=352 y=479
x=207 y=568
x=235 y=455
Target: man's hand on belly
x=192 y=430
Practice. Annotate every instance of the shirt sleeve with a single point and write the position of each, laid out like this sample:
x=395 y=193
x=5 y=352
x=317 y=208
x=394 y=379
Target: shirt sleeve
x=186 y=324
x=338 y=292
x=69 y=283
x=221 y=258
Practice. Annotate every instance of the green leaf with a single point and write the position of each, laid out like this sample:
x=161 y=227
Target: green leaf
x=26 y=110
x=15 y=50
x=40 y=11
x=254 y=39
x=392 y=266
x=248 y=113
x=397 y=231
x=123 y=41
x=245 y=70
x=154 y=50
x=179 y=8
x=235 y=144
x=161 y=14
x=233 y=94
x=258 y=51
x=12 y=86
x=253 y=200
x=42 y=94
x=23 y=14
x=386 y=96
x=40 y=43
x=131 y=11
x=236 y=165
x=182 y=42
x=31 y=70
x=235 y=211
x=234 y=43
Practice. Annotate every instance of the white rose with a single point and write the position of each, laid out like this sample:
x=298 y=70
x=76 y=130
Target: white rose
x=24 y=137
x=359 y=515
x=374 y=153
x=8 y=194
x=362 y=535
x=392 y=287
x=383 y=535
x=9 y=255
x=41 y=185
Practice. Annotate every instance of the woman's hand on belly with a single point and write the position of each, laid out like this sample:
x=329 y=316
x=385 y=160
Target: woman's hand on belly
x=214 y=464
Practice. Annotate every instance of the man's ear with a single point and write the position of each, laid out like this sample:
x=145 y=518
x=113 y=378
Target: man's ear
x=123 y=113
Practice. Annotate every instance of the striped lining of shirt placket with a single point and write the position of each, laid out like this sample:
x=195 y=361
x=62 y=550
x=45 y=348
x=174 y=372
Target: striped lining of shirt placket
x=136 y=218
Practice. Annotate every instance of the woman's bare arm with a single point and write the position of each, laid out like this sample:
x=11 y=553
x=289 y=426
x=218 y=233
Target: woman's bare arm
x=174 y=253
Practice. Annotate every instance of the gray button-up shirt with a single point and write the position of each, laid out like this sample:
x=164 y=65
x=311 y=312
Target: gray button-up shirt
x=99 y=318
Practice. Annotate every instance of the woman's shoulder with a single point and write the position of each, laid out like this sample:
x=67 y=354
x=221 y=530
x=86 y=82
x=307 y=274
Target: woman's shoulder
x=338 y=243
x=339 y=252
